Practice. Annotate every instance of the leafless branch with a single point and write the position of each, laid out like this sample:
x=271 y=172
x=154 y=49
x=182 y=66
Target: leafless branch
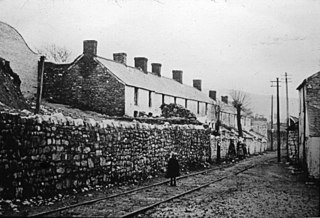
x=55 y=53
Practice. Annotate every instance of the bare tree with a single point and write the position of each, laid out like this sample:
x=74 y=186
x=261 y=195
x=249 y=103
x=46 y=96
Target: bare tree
x=55 y=53
x=241 y=102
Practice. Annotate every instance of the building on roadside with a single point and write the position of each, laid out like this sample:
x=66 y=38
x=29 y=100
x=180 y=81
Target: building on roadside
x=22 y=59
x=228 y=115
x=260 y=125
x=309 y=124
x=112 y=87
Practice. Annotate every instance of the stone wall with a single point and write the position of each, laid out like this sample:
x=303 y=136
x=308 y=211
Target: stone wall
x=45 y=155
x=253 y=146
x=293 y=145
x=313 y=105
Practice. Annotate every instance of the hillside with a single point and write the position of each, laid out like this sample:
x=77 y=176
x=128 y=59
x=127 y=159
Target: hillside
x=10 y=93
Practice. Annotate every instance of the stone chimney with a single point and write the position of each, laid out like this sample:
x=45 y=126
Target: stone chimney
x=213 y=94
x=197 y=84
x=156 y=68
x=142 y=63
x=224 y=99
x=120 y=58
x=90 y=47
x=177 y=75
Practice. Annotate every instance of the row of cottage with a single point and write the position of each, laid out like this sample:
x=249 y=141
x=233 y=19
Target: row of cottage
x=110 y=86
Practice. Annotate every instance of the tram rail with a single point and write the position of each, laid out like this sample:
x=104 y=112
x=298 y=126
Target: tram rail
x=188 y=183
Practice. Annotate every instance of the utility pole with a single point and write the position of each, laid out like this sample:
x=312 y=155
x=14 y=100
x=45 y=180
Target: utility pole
x=278 y=120
x=40 y=83
x=271 y=123
x=288 y=116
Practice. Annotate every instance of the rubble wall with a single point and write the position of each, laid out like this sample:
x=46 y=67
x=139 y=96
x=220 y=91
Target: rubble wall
x=85 y=85
x=253 y=146
x=45 y=155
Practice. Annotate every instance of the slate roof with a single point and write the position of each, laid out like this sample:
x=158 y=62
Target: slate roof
x=134 y=77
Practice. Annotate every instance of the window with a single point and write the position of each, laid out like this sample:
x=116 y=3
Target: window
x=136 y=96
x=135 y=113
x=186 y=103
x=198 y=107
x=206 y=109
x=175 y=100
x=150 y=99
x=162 y=98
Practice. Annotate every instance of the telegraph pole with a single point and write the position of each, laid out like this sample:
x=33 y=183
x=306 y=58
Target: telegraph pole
x=278 y=120
x=288 y=116
x=40 y=84
x=271 y=123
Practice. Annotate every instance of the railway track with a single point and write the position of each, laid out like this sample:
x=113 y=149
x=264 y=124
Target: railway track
x=133 y=202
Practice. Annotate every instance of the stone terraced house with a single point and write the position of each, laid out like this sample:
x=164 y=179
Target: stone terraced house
x=112 y=87
x=22 y=59
x=309 y=124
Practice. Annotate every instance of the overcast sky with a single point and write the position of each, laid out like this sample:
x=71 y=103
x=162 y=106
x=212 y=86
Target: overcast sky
x=241 y=44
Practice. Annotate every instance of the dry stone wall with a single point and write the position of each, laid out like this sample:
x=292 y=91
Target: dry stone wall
x=45 y=155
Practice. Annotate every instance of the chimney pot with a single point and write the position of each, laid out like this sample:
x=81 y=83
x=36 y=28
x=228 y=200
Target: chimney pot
x=142 y=63
x=213 y=94
x=224 y=99
x=120 y=58
x=197 y=84
x=177 y=75
x=156 y=68
x=90 y=47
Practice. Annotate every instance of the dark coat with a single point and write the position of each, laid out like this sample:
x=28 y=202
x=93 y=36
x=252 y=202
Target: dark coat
x=239 y=149
x=232 y=149
x=173 y=168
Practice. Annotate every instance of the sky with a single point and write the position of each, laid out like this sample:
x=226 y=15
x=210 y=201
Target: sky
x=228 y=44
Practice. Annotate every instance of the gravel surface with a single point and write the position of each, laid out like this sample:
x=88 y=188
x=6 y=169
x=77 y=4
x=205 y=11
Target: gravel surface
x=268 y=190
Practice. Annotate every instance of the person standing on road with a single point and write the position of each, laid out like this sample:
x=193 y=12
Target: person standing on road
x=244 y=148
x=232 y=150
x=173 y=170
x=240 y=148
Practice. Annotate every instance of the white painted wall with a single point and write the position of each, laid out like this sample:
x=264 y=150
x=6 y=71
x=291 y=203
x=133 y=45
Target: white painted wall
x=181 y=101
x=168 y=99
x=313 y=156
x=192 y=106
x=143 y=104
